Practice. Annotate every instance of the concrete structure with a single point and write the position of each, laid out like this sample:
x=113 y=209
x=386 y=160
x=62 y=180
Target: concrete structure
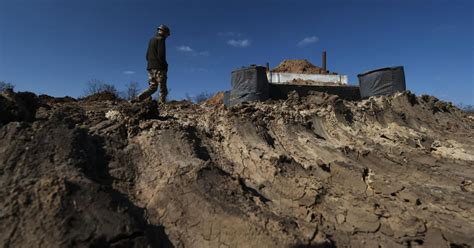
x=311 y=79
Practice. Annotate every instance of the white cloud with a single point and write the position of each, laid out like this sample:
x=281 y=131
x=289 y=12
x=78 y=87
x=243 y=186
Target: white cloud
x=229 y=34
x=185 y=49
x=239 y=43
x=128 y=72
x=203 y=53
x=235 y=39
x=188 y=49
x=308 y=40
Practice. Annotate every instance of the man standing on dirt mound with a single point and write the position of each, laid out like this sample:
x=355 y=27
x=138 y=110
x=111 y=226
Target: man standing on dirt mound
x=157 y=65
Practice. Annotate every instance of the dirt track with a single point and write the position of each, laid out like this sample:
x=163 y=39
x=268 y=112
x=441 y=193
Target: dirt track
x=314 y=172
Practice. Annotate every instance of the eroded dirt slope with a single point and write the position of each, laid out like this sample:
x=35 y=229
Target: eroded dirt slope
x=317 y=171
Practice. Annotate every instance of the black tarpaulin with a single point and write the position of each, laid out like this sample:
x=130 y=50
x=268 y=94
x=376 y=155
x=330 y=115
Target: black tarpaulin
x=226 y=98
x=346 y=92
x=249 y=84
x=382 y=81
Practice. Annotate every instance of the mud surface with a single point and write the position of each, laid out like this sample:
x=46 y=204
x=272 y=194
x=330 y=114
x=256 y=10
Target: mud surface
x=299 y=66
x=316 y=171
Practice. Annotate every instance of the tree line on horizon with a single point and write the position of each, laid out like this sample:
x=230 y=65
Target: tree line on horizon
x=5 y=86
x=132 y=90
x=95 y=86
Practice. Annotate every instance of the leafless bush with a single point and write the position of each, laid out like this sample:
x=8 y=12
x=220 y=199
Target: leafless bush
x=132 y=91
x=95 y=86
x=199 y=98
x=5 y=86
x=467 y=108
x=188 y=97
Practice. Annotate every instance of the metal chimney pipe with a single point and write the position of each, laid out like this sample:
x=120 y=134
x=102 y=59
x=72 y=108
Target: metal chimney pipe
x=324 y=62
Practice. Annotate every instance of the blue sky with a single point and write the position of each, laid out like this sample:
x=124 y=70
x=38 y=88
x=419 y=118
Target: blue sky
x=55 y=46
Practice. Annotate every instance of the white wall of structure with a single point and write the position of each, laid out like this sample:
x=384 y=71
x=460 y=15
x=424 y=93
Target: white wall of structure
x=284 y=78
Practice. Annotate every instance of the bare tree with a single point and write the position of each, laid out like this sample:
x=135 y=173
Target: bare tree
x=95 y=86
x=132 y=91
x=188 y=97
x=92 y=87
x=199 y=98
x=467 y=107
x=109 y=88
x=6 y=86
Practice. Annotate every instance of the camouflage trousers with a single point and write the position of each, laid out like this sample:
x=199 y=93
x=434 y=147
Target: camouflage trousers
x=155 y=78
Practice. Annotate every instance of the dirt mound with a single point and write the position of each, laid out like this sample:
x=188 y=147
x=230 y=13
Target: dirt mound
x=102 y=96
x=216 y=100
x=17 y=107
x=298 y=66
x=315 y=171
x=52 y=100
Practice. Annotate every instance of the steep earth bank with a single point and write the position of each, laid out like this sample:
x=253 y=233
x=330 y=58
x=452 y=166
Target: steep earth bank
x=392 y=171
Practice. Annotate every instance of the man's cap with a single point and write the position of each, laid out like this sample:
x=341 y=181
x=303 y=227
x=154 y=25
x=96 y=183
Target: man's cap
x=165 y=29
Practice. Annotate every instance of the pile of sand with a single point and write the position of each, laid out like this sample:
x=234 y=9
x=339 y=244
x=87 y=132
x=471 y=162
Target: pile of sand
x=217 y=99
x=298 y=66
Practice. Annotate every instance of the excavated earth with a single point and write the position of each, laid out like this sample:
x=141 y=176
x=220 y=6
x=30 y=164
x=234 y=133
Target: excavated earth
x=393 y=171
x=299 y=66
